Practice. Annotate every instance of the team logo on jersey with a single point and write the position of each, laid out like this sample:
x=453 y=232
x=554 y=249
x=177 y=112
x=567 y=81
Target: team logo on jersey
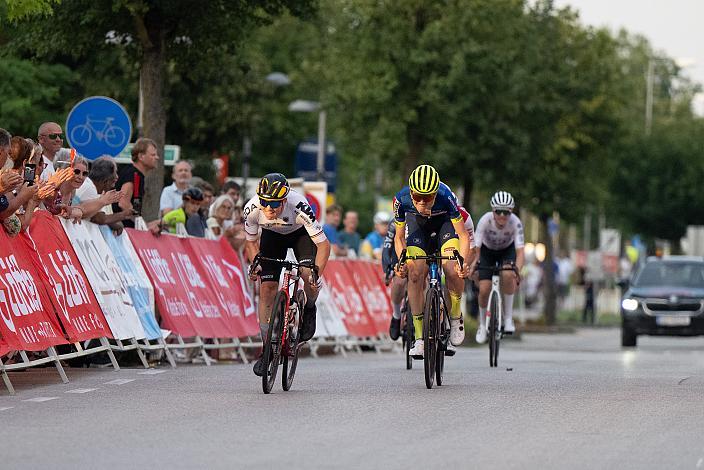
x=306 y=209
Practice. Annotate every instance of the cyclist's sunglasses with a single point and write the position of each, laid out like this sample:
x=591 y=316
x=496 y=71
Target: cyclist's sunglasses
x=502 y=212
x=272 y=204
x=77 y=172
x=55 y=136
x=422 y=197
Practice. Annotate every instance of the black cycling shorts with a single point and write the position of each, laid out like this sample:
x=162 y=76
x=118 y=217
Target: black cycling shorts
x=489 y=258
x=429 y=233
x=276 y=245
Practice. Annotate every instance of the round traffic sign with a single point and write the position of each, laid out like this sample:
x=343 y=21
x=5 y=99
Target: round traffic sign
x=98 y=126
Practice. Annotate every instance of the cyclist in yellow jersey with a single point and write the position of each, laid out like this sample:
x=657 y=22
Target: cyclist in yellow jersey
x=427 y=217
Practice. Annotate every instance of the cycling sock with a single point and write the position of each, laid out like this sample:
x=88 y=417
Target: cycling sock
x=397 y=311
x=508 y=306
x=263 y=329
x=455 y=306
x=481 y=318
x=418 y=326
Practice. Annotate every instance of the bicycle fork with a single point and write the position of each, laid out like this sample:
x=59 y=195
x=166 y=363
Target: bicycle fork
x=495 y=291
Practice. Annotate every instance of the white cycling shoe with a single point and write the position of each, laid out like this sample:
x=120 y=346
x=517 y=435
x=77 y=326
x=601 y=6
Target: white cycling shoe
x=509 y=327
x=456 y=331
x=417 y=350
x=481 y=335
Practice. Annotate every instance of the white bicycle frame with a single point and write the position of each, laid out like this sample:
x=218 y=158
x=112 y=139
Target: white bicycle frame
x=495 y=291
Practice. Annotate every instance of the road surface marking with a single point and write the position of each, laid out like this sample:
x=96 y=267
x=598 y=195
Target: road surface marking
x=6 y=408
x=151 y=372
x=81 y=390
x=42 y=399
x=119 y=382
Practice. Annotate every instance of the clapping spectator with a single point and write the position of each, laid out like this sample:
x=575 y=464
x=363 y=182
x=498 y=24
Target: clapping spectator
x=171 y=196
x=348 y=236
x=97 y=194
x=130 y=181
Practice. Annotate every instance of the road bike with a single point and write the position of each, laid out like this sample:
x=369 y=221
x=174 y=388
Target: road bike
x=494 y=315
x=407 y=330
x=436 y=321
x=283 y=340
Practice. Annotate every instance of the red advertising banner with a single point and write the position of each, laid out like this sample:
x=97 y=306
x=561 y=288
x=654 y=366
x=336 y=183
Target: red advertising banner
x=183 y=292
x=348 y=300
x=237 y=274
x=367 y=280
x=224 y=271
x=27 y=316
x=56 y=263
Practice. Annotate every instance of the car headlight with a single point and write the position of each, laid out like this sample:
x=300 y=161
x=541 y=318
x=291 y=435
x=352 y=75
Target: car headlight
x=629 y=304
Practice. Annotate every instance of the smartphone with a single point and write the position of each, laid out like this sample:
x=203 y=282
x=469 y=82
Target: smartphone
x=30 y=170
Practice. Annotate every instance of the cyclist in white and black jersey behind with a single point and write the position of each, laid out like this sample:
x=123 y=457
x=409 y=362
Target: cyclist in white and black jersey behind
x=286 y=221
x=499 y=236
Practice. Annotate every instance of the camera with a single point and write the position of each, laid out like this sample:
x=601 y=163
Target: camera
x=30 y=170
x=137 y=206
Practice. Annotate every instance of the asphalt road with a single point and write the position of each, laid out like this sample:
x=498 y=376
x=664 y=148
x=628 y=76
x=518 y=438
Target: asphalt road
x=570 y=401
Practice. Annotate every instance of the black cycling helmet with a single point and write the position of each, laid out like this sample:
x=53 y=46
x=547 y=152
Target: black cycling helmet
x=273 y=187
x=193 y=194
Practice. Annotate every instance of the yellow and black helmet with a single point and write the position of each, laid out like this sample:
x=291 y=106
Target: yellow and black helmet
x=273 y=187
x=424 y=180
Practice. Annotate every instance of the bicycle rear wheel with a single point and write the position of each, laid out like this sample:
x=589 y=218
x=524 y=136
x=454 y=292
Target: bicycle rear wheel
x=293 y=337
x=272 y=347
x=408 y=336
x=430 y=335
x=494 y=332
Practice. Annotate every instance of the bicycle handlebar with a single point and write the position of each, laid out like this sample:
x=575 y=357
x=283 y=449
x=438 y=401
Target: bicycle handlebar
x=455 y=256
x=285 y=263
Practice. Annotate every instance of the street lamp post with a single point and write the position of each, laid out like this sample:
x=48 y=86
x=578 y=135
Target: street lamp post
x=681 y=62
x=305 y=106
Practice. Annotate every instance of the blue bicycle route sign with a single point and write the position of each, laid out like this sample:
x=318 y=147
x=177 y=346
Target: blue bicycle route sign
x=98 y=126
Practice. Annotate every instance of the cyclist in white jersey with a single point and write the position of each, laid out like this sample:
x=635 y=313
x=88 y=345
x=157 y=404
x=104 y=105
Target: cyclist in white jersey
x=499 y=237
x=286 y=220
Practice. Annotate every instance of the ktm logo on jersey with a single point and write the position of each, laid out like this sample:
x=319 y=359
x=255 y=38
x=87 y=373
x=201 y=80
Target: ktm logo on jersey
x=306 y=209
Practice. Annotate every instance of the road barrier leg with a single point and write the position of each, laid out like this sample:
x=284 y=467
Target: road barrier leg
x=6 y=378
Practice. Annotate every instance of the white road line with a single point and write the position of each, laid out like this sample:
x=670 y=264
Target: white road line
x=81 y=390
x=700 y=462
x=41 y=399
x=6 y=408
x=151 y=372
x=119 y=382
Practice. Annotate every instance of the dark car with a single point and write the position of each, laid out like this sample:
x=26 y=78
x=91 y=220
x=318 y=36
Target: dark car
x=665 y=297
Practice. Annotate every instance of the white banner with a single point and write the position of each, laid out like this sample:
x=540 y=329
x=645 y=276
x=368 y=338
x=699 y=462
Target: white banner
x=105 y=278
x=329 y=318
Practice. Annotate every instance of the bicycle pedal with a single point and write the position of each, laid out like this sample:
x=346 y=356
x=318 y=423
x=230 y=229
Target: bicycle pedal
x=417 y=357
x=506 y=333
x=449 y=352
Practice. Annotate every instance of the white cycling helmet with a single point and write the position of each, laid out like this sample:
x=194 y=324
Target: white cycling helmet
x=502 y=200
x=382 y=217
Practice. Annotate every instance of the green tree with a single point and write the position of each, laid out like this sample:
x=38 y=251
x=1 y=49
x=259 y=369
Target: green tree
x=160 y=38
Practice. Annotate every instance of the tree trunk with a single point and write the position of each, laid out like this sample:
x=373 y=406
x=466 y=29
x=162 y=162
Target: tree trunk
x=416 y=145
x=152 y=79
x=549 y=287
x=468 y=185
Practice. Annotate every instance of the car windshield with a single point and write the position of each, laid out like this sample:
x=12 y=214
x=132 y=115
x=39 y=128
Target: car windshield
x=662 y=273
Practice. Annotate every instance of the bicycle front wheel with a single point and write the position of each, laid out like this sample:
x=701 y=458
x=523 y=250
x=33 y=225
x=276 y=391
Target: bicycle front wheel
x=494 y=332
x=293 y=337
x=409 y=337
x=431 y=312
x=273 y=344
x=443 y=335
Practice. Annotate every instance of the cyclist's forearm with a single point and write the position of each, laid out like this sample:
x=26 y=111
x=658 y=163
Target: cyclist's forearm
x=251 y=249
x=520 y=258
x=322 y=256
x=400 y=240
